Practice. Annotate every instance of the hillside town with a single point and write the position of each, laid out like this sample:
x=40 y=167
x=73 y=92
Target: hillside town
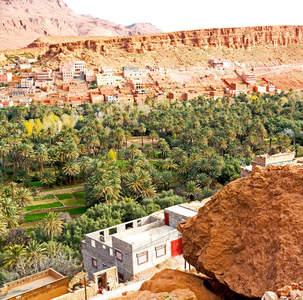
x=24 y=81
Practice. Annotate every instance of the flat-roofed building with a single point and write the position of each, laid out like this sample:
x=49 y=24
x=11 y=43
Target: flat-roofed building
x=129 y=72
x=45 y=285
x=249 y=77
x=136 y=245
x=268 y=160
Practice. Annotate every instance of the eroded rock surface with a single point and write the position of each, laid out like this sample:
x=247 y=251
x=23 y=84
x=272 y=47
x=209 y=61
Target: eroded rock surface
x=249 y=236
x=175 y=284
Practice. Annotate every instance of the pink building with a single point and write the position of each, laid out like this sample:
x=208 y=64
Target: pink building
x=90 y=75
x=249 y=77
x=27 y=83
x=6 y=78
x=44 y=74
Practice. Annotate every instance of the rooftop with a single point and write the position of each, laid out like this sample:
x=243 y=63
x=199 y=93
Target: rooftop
x=27 y=284
x=151 y=234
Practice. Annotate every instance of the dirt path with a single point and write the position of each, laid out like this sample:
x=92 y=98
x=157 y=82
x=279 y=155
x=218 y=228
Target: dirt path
x=63 y=191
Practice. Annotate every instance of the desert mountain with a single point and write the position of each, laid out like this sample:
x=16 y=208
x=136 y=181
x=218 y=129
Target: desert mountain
x=22 y=21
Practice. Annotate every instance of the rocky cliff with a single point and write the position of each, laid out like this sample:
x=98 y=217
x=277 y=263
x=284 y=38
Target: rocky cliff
x=249 y=236
x=233 y=38
x=22 y=21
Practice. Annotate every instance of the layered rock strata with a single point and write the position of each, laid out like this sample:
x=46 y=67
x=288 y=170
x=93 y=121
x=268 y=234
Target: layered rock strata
x=233 y=38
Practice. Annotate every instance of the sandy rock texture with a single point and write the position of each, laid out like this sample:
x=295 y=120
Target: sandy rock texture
x=175 y=284
x=23 y=21
x=249 y=236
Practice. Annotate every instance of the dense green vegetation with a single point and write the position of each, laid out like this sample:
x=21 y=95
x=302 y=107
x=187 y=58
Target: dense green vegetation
x=132 y=160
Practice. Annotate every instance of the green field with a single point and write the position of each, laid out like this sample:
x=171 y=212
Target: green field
x=64 y=196
x=79 y=196
x=36 y=183
x=43 y=206
x=41 y=216
x=46 y=197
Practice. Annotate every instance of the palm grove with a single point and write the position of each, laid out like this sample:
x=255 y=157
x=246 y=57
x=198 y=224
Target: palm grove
x=133 y=160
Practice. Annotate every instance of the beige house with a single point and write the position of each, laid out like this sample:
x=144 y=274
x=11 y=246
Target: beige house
x=268 y=160
x=45 y=285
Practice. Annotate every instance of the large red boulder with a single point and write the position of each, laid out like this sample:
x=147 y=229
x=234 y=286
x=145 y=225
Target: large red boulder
x=250 y=235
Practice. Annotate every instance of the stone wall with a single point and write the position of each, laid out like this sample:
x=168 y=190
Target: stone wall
x=91 y=291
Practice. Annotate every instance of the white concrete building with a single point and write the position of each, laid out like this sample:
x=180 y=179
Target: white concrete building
x=136 y=245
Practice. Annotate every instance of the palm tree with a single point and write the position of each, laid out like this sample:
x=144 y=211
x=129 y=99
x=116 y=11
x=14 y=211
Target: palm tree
x=203 y=180
x=41 y=157
x=48 y=178
x=35 y=250
x=127 y=136
x=52 y=224
x=169 y=164
x=24 y=197
x=4 y=150
x=71 y=169
x=3 y=224
x=142 y=130
x=119 y=136
x=50 y=132
x=153 y=136
x=191 y=190
x=13 y=254
x=84 y=165
x=13 y=186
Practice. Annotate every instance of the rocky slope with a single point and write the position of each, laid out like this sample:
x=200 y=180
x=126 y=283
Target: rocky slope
x=22 y=21
x=174 y=284
x=249 y=236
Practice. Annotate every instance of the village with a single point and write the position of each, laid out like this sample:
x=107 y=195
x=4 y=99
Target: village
x=25 y=82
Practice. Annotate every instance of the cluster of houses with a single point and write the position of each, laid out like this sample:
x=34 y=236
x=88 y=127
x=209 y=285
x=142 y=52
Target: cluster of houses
x=25 y=82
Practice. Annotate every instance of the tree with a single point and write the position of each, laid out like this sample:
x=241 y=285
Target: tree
x=52 y=224
x=191 y=190
x=4 y=150
x=35 y=250
x=49 y=178
x=142 y=130
x=13 y=254
x=71 y=169
x=153 y=136
x=41 y=157
x=11 y=213
x=24 y=197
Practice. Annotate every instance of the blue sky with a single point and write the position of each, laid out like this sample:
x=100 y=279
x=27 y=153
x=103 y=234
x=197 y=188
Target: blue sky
x=176 y=15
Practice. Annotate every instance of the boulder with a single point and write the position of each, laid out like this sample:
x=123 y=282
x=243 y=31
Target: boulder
x=270 y=296
x=173 y=284
x=249 y=236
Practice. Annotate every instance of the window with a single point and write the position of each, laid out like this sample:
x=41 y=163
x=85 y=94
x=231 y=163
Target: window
x=110 y=251
x=262 y=165
x=119 y=255
x=94 y=262
x=120 y=277
x=142 y=257
x=160 y=251
x=93 y=243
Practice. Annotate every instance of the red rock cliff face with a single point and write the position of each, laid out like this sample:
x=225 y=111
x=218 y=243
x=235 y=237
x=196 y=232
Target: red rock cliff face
x=249 y=236
x=235 y=38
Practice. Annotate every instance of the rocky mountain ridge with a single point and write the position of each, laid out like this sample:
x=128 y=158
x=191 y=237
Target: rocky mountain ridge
x=232 y=38
x=22 y=21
